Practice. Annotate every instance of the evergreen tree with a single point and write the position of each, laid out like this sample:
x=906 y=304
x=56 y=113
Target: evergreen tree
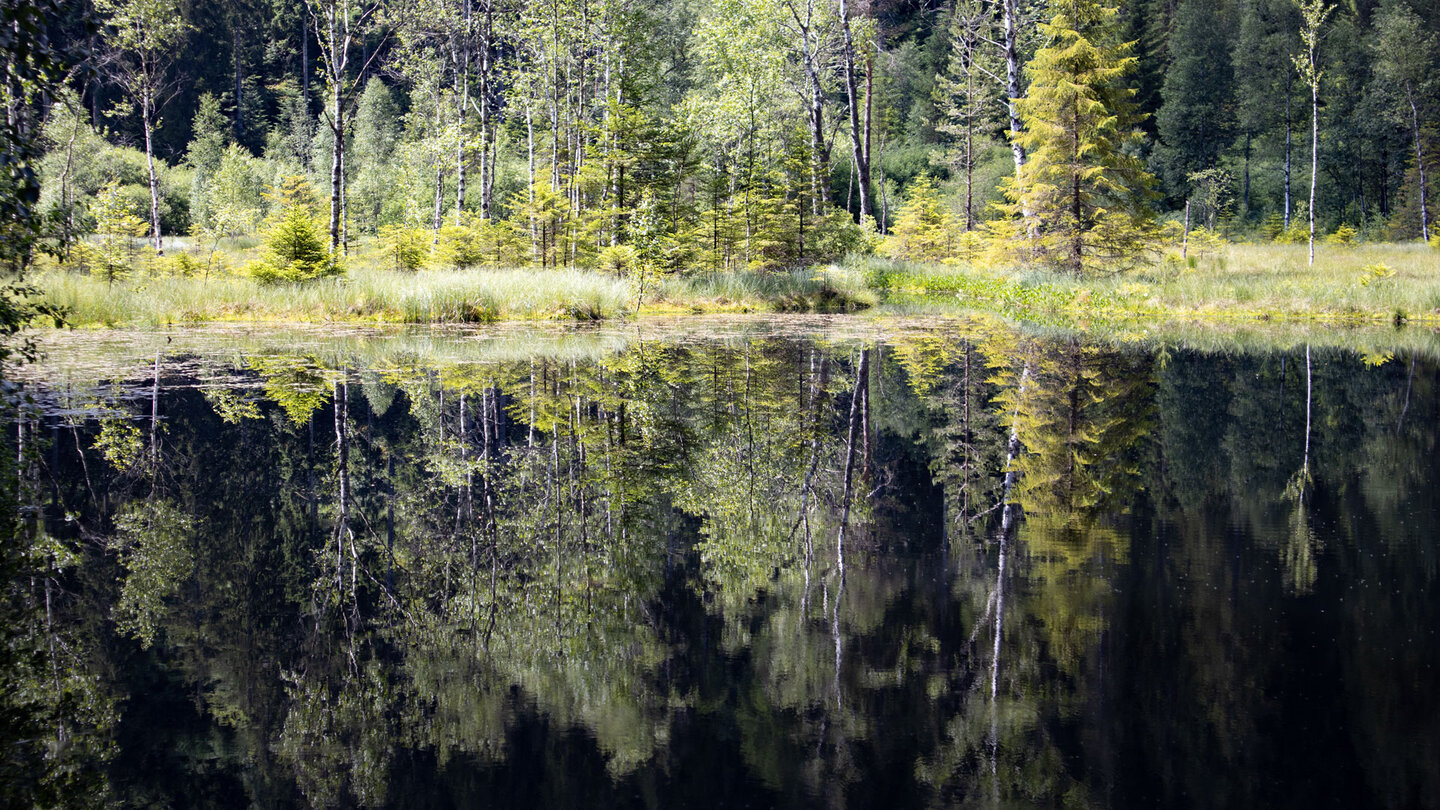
x=207 y=149
x=1083 y=193
x=1196 y=120
x=969 y=93
x=924 y=228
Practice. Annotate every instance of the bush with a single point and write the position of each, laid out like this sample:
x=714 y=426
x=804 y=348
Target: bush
x=459 y=248
x=1344 y=235
x=295 y=250
x=617 y=259
x=407 y=248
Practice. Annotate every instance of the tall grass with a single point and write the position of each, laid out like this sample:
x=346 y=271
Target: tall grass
x=1365 y=283
x=366 y=294
x=829 y=288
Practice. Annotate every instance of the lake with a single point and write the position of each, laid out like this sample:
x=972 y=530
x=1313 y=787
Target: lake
x=732 y=563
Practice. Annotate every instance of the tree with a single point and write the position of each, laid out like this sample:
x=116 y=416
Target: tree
x=1404 y=64
x=1082 y=195
x=376 y=134
x=207 y=149
x=969 y=91
x=117 y=226
x=1196 y=119
x=144 y=37
x=294 y=250
x=859 y=134
x=1312 y=17
x=339 y=25
x=923 y=229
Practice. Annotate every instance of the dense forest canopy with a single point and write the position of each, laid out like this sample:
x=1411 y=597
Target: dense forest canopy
x=731 y=134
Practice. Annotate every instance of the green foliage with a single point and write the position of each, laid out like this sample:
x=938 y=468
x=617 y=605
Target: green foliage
x=924 y=230
x=1083 y=195
x=1343 y=236
x=458 y=247
x=295 y=250
x=1195 y=121
x=405 y=248
x=153 y=538
x=116 y=228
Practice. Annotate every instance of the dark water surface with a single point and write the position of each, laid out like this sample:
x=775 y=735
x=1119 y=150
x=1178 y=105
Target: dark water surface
x=740 y=569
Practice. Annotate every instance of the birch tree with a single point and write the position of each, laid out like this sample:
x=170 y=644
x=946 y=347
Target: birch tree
x=1312 y=17
x=859 y=122
x=1404 y=64
x=143 y=38
x=339 y=26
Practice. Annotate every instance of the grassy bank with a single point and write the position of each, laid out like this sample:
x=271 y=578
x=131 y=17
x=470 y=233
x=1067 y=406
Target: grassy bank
x=1368 y=283
x=373 y=295
x=1229 y=283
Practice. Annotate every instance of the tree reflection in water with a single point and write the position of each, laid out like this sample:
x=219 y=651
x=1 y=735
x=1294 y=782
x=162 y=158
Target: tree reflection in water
x=963 y=568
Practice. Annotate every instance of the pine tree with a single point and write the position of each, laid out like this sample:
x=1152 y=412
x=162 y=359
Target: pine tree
x=924 y=226
x=1082 y=193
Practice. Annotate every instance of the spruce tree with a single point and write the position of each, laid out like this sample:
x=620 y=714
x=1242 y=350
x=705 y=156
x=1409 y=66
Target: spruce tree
x=1195 y=121
x=1083 y=193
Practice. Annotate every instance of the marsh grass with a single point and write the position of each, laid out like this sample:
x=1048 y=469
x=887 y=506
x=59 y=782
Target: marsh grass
x=1378 y=284
x=1364 y=283
x=828 y=288
x=366 y=294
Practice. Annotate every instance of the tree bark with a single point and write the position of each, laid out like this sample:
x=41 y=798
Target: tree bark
x=1314 y=148
x=860 y=147
x=1011 y=13
x=147 y=110
x=1420 y=165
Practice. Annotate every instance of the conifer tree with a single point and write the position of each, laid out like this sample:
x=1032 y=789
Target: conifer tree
x=969 y=92
x=1082 y=193
x=1196 y=119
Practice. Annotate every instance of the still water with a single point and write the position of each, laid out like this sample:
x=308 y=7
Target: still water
x=739 y=566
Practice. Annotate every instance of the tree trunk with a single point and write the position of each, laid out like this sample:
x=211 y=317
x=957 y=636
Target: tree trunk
x=1314 y=152
x=147 y=110
x=337 y=157
x=462 y=102
x=1011 y=13
x=1420 y=164
x=860 y=147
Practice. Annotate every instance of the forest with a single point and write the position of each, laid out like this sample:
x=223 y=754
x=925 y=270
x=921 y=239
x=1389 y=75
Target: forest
x=275 y=139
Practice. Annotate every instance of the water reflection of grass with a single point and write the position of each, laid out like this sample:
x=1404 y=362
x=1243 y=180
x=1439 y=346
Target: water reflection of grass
x=83 y=357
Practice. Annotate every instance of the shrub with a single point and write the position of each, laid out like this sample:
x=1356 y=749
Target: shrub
x=406 y=248
x=459 y=248
x=617 y=259
x=295 y=250
x=1344 y=235
x=117 y=226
